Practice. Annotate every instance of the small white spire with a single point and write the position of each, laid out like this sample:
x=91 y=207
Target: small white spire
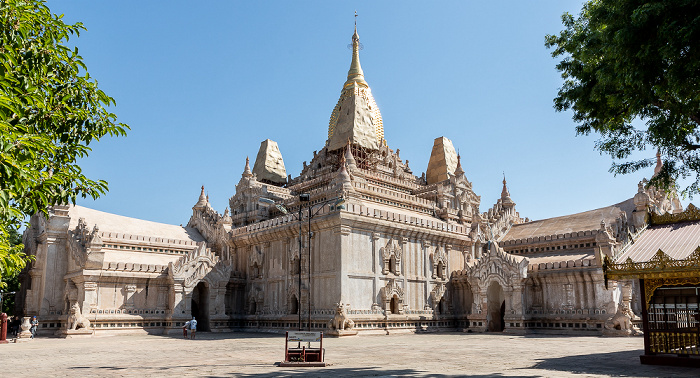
x=246 y=171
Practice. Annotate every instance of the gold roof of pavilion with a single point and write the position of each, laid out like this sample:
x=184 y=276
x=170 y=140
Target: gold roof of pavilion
x=666 y=254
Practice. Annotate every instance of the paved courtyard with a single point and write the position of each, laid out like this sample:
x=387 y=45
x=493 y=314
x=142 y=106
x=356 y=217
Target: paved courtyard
x=255 y=355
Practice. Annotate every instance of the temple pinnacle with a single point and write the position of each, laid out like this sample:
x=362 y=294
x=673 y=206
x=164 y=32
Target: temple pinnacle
x=659 y=164
x=459 y=171
x=202 y=202
x=355 y=74
x=504 y=192
x=246 y=171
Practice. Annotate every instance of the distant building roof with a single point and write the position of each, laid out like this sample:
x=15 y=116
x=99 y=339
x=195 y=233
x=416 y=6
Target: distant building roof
x=588 y=220
x=124 y=225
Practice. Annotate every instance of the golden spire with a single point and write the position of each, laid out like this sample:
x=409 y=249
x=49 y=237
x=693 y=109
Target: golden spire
x=355 y=74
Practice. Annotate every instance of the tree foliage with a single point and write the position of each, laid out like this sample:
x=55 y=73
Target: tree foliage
x=10 y=282
x=631 y=73
x=51 y=110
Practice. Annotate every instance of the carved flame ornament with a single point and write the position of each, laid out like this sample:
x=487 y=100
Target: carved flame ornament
x=200 y=264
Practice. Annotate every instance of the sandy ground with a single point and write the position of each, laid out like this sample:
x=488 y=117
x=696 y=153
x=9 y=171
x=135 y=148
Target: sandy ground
x=255 y=355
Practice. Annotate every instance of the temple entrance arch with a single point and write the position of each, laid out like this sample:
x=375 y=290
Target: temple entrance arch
x=199 y=283
x=496 y=303
x=200 y=306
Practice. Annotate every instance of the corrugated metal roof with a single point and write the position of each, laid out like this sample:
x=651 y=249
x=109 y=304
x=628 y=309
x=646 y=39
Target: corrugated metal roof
x=677 y=240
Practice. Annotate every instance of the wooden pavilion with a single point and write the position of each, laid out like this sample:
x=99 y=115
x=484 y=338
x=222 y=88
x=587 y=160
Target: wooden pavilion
x=665 y=258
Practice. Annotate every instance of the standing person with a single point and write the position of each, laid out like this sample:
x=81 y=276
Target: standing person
x=184 y=328
x=16 y=322
x=193 y=327
x=35 y=325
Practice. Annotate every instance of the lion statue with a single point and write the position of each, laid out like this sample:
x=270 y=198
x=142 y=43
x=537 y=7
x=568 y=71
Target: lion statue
x=622 y=321
x=76 y=319
x=340 y=321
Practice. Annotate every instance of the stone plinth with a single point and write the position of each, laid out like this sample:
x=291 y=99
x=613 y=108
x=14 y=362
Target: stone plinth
x=340 y=333
x=72 y=333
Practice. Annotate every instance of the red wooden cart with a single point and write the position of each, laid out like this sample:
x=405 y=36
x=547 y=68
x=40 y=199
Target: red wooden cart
x=304 y=355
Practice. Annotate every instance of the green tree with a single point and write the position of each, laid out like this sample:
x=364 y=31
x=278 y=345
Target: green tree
x=51 y=110
x=11 y=283
x=631 y=73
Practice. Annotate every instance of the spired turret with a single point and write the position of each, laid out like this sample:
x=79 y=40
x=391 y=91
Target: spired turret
x=505 y=195
x=202 y=202
x=269 y=165
x=356 y=116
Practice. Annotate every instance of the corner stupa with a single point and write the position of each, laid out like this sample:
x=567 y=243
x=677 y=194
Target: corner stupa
x=269 y=165
x=443 y=161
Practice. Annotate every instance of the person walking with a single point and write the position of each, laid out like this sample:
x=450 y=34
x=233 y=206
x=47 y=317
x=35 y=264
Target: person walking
x=193 y=327
x=34 y=325
x=184 y=328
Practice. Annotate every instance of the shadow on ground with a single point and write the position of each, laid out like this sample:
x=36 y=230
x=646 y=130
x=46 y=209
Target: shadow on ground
x=203 y=335
x=615 y=364
x=296 y=372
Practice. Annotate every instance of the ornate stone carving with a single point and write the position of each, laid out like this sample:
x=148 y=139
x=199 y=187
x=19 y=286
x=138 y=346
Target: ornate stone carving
x=199 y=264
x=82 y=242
x=255 y=262
x=392 y=291
x=439 y=262
x=255 y=300
x=436 y=295
x=391 y=258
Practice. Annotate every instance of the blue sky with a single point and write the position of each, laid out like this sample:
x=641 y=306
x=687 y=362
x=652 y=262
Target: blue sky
x=203 y=83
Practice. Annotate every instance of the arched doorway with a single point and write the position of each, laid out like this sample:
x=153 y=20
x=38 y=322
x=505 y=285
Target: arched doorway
x=200 y=306
x=395 y=304
x=496 y=308
x=294 y=305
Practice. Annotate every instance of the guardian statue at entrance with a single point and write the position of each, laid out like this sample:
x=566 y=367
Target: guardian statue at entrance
x=620 y=324
x=341 y=325
x=76 y=319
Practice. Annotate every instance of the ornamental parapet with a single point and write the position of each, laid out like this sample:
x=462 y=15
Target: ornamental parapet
x=387 y=178
x=370 y=189
x=558 y=265
x=135 y=267
x=145 y=239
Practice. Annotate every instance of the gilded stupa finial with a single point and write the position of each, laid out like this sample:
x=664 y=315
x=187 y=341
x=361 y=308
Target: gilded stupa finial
x=355 y=74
